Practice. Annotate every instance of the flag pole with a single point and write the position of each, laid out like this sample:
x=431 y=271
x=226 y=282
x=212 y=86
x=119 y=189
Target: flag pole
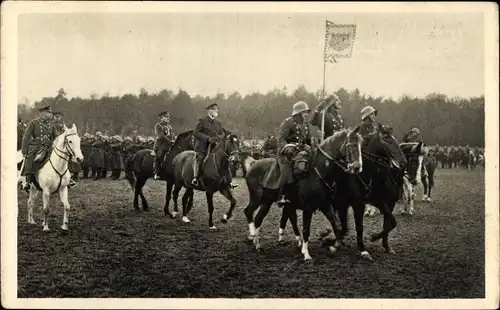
x=323 y=92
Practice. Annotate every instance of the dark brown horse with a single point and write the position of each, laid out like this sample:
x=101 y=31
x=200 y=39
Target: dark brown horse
x=139 y=168
x=379 y=183
x=213 y=177
x=312 y=191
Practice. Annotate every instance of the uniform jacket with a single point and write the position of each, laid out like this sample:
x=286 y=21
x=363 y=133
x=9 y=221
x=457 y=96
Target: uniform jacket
x=292 y=131
x=207 y=128
x=164 y=131
x=40 y=133
x=59 y=127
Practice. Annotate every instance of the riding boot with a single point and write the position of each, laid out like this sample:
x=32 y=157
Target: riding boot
x=156 y=169
x=104 y=173
x=196 y=171
x=72 y=183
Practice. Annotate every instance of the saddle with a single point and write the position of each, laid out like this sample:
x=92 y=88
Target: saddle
x=41 y=158
x=298 y=162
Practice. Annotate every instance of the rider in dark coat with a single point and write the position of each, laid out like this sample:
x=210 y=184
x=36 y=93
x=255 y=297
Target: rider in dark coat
x=333 y=120
x=293 y=130
x=38 y=137
x=21 y=128
x=208 y=131
x=165 y=138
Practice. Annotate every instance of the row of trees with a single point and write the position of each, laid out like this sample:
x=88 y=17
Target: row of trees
x=442 y=120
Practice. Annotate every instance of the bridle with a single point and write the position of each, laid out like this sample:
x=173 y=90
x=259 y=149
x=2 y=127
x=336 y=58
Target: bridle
x=66 y=151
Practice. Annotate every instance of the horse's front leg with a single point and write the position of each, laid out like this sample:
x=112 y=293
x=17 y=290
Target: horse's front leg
x=31 y=203
x=175 y=197
x=63 y=195
x=306 y=232
x=46 y=201
x=359 y=208
x=168 y=196
x=229 y=195
x=327 y=210
x=389 y=224
x=210 y=204
x=259 y=219
x=186 y=198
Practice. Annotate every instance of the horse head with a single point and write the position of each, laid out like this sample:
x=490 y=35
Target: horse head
x=382 y=146
x=68 y=144
x=345 y=144
x=414 y=152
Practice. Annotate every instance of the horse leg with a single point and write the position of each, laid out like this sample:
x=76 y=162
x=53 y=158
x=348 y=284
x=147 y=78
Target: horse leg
x=253 y=204
x=175 y=197
x=330 y=216
x=137 y=190
x=168 y=195
x=389 y=224
x=358 y=209
x=425 y=185
x=31 y=203
x=229 y=195
x=293 y=220
x=306 y=232
x=210 y=203
x=63 y=195
x=138 y=186
x=188 y=193
x=46 y=201
x=259 y=218
x=283 y=221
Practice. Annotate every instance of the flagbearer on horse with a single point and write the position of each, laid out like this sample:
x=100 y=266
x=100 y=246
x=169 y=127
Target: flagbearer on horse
x=165 y=138
x=208 y=132
x=37 y=139
x=329 y=109
x=294 y=134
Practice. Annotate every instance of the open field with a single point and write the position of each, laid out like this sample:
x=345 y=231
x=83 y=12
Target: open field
x=111 y=251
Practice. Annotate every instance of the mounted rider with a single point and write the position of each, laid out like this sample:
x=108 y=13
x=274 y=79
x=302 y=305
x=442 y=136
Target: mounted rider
x=414 y=136
x=165 y=138
x=37 y=140
x=208 y=131
x=368 y=123
x=333 y=121
x=293 y=130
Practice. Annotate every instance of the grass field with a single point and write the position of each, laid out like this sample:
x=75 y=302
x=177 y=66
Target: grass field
x=111 y=251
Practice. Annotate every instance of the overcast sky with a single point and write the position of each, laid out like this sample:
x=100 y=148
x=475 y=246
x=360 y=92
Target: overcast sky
x=394 y=54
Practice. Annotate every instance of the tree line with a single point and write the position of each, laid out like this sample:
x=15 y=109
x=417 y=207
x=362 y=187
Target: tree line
x=441 y=120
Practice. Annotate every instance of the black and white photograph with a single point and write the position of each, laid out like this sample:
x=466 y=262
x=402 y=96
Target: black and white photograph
x=250 y=155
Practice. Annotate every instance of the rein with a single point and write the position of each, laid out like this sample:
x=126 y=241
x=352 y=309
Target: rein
x=70 y=155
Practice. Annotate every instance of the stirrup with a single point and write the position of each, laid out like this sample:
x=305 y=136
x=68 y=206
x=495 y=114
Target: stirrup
x=156 y=176
x=194 y=182
x=283 y=201
x=232 y=185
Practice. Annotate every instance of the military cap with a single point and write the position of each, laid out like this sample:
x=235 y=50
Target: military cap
x=164 y=113
x=45 y=108
x=211 y=106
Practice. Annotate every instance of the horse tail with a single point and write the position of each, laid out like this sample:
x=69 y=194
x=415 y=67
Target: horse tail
x=129 y=171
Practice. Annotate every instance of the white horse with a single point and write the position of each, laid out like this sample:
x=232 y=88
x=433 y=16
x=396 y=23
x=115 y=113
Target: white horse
x=415 y=154
x=54 y=176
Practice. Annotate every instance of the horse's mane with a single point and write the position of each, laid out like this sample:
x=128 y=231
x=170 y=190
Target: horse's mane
x=182 y=136
x=338 y=134
x=68 y=130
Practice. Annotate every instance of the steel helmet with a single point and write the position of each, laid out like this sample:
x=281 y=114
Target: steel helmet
x=415 y=130
x=367 y=111
x=300 y=107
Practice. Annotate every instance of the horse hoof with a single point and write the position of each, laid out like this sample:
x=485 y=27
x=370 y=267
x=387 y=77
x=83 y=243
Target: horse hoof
x=185 y=219
x=332 y=250
x=64 y=228
x=250 y=238
x=367 y=256
x=32 y=222
x=212 y=228
x=173 y=215
x=46 y=229
x=308 y=260
x=224 y=219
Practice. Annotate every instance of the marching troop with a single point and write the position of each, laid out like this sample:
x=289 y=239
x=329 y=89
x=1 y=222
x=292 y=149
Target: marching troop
x=105 y=154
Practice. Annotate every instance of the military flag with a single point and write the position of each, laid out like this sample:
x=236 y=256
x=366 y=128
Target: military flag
x=339 y=41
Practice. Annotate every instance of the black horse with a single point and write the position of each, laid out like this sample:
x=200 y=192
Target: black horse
x=139 y=168
x=312 y=190
x=379 y=183
x=213 y=177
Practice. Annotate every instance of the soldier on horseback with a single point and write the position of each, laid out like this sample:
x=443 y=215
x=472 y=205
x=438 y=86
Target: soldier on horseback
x=368 y=123
x=208 y=131
x=333 y=121
x=414 y=136
x=165 y=138
x=293 y=130
x=37 y=140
